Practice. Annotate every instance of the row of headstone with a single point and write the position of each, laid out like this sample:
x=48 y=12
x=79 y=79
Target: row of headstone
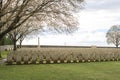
x=6 y=47
x=33 y=57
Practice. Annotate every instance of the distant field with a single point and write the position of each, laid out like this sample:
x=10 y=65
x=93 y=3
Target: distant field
x=77 y=71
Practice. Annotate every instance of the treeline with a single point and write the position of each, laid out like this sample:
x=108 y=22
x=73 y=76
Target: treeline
x=6 y=41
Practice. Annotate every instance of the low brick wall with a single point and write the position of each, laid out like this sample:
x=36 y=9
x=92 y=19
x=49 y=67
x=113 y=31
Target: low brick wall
x=6 y=47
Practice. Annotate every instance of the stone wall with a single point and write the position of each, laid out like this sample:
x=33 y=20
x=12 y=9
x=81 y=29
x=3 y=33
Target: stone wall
x=6 y=47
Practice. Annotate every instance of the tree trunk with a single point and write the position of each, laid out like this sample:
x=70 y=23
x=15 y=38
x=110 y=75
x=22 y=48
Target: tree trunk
x=20 y=44
x=21 y=40
x=116 y=45
x=0 y=17
x=117 y=41
x=1 y=43
x=15 y=46
x=1 y=2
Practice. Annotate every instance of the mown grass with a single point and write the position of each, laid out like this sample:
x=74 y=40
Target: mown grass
x=73 y=71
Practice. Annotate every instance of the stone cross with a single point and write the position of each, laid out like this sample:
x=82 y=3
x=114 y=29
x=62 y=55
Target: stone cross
x=38 y=42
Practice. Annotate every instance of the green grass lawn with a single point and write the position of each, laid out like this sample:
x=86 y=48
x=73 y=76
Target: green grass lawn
x=73 y=71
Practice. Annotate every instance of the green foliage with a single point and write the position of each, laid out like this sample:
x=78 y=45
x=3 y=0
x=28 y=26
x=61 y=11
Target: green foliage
x=6 y=41
x=2 y=41
x=4 y=54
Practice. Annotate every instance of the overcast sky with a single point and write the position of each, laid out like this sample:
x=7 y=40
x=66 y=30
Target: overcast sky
x=95 y=20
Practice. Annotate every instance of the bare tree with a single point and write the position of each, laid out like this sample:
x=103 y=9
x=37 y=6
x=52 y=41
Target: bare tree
x=57 y=14
x=20 y=33
x=113 y=35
